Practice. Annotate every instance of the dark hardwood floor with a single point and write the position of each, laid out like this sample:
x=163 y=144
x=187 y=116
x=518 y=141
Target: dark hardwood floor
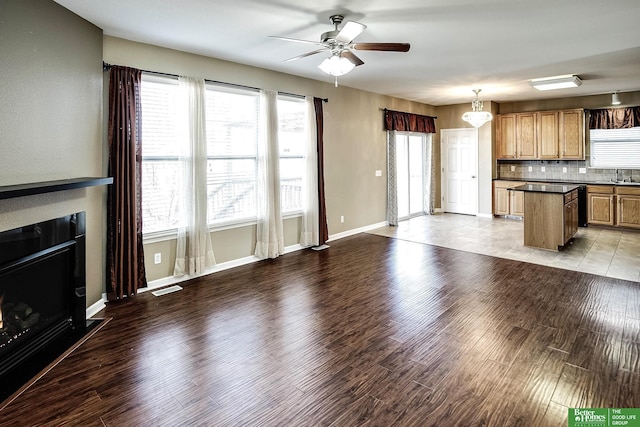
x=371 y=332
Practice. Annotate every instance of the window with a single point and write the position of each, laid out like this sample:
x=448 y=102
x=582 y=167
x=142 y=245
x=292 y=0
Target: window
x=292 y=134
x=615 y=148
x=232 y=130
x=410 y=173
x=232 y=147
x=160 y=165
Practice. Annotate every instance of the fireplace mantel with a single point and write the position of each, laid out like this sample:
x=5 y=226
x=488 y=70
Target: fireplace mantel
x=20 y=190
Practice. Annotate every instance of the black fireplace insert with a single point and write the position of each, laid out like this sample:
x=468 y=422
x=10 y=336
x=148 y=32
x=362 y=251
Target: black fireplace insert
x=42 y=289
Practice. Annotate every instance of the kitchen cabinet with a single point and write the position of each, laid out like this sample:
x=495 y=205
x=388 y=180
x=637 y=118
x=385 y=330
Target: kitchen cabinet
x=571 y=134
x=570 y=215
x=601 y=204
x=505 y=201
x=506 y=136
x=544 y=135
x=551 y=214
x=548 y=136
x=516 y=202
x=628 y=208
x=526 y=136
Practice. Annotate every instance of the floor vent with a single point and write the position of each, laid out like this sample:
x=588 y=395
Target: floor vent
x=321 y=247
x=164 y=291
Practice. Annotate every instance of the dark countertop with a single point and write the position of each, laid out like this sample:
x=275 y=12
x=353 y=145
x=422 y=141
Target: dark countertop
x=557 y=181
x=546 y=188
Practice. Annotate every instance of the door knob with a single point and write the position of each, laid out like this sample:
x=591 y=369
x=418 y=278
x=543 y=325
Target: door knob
x=473 y=176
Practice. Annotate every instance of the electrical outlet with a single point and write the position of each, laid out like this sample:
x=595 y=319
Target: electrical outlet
x=582 y=170
x=341 y=218
x=530 y=169
x=564 y=169
x=157 y=258
x=378 y=172
x=542 y=169
x=513 y=168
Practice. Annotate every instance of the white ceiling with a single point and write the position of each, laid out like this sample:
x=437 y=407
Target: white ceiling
x=456 y=45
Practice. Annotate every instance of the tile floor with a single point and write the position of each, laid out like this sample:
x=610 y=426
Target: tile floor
x=602 y=251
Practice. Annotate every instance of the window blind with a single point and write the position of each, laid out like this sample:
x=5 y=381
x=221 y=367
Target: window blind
x=615 y=148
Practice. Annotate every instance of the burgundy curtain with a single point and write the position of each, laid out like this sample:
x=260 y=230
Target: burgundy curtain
x=614 y=118
x=125 y=256
x=408 y=122
x=322 y=216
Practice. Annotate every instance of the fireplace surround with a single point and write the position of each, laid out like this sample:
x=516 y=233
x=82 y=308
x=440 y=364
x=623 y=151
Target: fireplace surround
x=42 y=290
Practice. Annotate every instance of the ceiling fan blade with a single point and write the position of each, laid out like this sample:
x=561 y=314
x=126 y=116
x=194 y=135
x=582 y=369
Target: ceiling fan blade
x=350 y=31
x=304 y=55
x=289 y=39
x=351 y=57
x=387 y=47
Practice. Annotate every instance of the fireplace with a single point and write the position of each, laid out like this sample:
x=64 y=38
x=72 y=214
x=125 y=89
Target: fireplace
x=42 y=289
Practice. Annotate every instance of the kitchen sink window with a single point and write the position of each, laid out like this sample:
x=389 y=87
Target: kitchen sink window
x=615 y=148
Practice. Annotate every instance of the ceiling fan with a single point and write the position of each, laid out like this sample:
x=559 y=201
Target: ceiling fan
x=339 y=43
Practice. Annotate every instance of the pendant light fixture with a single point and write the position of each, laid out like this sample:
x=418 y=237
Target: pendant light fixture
x=477 y=117
x=615 y=98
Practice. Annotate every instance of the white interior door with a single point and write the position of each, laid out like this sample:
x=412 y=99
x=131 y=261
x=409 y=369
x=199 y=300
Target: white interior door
x=459 y=156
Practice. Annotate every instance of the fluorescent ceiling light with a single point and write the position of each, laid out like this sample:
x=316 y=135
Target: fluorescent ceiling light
x=557 y=82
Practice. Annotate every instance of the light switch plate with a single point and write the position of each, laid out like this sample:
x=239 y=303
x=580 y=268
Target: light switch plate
x=513 y=168
x=564 y=169
x=543 y=169
x=530 y=168
x=157 y=258
x=378 y=173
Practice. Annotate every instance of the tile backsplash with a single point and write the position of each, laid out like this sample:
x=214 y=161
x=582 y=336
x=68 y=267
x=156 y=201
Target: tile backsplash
x=562 y=170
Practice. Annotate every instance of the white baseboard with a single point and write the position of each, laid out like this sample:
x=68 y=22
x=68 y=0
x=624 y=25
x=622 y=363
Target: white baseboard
x=94 y=308
x=438 y=210
x=484 y=215
x=172 y=280
x=356 y=231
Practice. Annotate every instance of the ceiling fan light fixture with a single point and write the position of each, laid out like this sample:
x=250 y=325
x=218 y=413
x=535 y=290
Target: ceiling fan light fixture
x=556 y=82
x=336 y=65
x=477 y=117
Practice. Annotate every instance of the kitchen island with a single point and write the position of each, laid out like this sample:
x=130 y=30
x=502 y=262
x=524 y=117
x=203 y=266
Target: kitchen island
x=550 y=214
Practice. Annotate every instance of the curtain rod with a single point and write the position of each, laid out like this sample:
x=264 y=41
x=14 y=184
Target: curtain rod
x=385 y=110
x=107 y=67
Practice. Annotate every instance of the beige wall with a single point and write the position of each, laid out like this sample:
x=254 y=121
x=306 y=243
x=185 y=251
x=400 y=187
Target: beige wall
x=51 y=119
x=355 y=142
x=450 y=117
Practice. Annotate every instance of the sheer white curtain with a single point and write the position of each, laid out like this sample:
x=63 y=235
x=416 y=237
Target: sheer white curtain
x=270 y=238
x=310 y=234
x=194 y=251
x=392 y=188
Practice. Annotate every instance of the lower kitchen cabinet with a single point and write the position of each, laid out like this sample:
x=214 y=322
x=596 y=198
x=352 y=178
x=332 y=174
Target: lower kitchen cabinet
x=601 y=204
x=505 y=201
x=628 y=206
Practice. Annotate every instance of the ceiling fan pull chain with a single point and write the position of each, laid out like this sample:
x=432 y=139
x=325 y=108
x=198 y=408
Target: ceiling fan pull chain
x=336 y=81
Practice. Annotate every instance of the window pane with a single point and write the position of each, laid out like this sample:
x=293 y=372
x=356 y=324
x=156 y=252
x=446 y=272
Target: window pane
x=159 y=195
x=292 y=134
x=159 y=153
x=416 y=197
x=231 y=189
x=232 y=122
x=232 y=117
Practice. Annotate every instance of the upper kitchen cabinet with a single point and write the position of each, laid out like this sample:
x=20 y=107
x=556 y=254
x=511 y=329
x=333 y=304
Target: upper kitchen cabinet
x=571 y=134
x=526 y=135
x=548 y=135
x=542 y=135
x=506 y=136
